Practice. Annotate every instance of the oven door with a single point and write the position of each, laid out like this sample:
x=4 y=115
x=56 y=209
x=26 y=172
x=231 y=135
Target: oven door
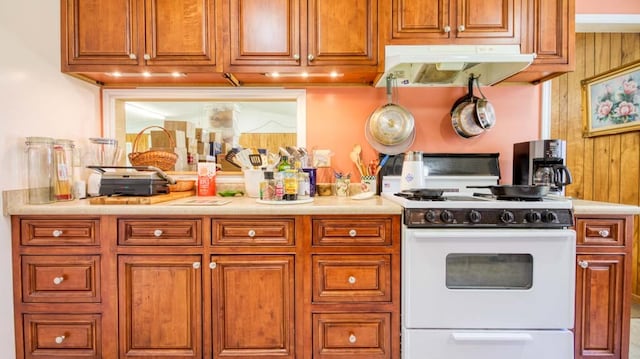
x=488 y=278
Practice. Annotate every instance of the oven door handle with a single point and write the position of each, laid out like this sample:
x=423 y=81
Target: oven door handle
x=491 y=337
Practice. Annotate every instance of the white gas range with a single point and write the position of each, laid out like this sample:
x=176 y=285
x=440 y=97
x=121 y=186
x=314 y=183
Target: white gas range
x=486 y=278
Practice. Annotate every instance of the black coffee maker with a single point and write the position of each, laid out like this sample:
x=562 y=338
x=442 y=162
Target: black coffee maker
x=541 y=162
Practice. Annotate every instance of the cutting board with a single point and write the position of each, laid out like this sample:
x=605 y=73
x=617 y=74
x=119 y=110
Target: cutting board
x=158 y=198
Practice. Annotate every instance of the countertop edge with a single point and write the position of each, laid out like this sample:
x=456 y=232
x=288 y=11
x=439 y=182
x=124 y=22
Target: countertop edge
x=581 y=206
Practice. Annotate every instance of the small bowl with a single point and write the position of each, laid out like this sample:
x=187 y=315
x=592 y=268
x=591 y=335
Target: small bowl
x=182 y=186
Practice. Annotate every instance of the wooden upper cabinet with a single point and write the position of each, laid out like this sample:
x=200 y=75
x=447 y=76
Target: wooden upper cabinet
x=302 y=32
x=132 y=33
x=456 y=21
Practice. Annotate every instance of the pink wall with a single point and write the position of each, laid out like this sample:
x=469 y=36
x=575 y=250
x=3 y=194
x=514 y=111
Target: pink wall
x=336 y=119
x=607 y=7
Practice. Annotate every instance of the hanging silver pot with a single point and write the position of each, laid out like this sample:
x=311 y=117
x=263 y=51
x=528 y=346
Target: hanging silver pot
x=390 y=124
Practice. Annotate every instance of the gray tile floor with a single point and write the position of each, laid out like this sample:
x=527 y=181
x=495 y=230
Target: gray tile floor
x=634 y=343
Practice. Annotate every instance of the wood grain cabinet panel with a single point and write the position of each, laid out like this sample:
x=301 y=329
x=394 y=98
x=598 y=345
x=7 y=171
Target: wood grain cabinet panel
x=160 y=232
x=351 y=278
x=60 y=232
x=253 y=306
x=62 y=336
x=456 y=21
x=65 y=279
x=160 y=306
x=352 y=335
x=253 y=231
x=352 y=232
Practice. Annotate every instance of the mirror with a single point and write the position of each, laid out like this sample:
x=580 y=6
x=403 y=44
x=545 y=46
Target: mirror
x=213 y=120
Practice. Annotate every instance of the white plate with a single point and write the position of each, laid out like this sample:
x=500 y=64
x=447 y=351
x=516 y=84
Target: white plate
x=363 y=195
x=297 y=201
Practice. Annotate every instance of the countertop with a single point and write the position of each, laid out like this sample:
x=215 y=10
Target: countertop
x=14 y=203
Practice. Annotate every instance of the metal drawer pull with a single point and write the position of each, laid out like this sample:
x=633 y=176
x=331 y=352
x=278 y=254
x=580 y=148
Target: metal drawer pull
x=147 y=57
x=213 y=265
x=603 y=233
x=353 y=233
x=252 y=233
x=56 y=233
x=447 y=29
x=133 y=56
x=157 y=232
x=352 y=279
x=196 y=265
x=60 y=339
x=58 y=280
x=583 y=264
x=461 y=28
x=352 y=339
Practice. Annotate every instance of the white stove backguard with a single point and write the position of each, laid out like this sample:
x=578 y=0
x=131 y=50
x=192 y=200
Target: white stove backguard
x=392 y=183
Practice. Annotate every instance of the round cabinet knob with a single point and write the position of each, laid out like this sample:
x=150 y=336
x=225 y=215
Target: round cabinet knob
x=296 y=57
x=550 y=217
x=353 y=233
x=133 y=56
x=213 y=265
x=196 y=265
x=446 y=216
x=461 y=28
x=58 y=280
x=446 y=29
x=157 y=232
x=603 y=233
x=352 y=279
x=147 y=57
x=583 y=264
x=251 y=233
x=507 y=217
x=310 y=57
x=475 y=216
x=352 y=338
x=60 y=339
x=430 y=216
x=56 y=233
x=533 y=217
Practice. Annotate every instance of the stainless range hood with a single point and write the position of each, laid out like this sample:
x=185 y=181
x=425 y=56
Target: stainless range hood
x=451 y=65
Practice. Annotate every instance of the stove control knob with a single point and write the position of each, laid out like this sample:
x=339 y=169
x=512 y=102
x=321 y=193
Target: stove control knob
x=446 y=216
x=507 y=217
x=475 y=216
x=533 y=217
x=550 y=217
x=430 y=216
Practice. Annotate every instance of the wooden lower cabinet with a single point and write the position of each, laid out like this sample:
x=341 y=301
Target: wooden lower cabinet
x=210 y=287
x=603 y=286
x=253 y=306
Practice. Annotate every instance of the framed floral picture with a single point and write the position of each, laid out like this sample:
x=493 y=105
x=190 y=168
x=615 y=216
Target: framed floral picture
x=611 y=101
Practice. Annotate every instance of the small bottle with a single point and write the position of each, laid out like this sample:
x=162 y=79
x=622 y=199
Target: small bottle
x=290 y=185
x=284 y=164
x=279 y=186
x=268 y=187
x=304 y=187
x=63 y=162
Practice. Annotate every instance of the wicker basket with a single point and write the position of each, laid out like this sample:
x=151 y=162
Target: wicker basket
x=162 y=159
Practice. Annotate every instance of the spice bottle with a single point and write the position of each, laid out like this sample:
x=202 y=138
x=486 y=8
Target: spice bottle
x=40 y=170
x=268 y=187
x=290 y=185
x=279 y=186
x=63 y=162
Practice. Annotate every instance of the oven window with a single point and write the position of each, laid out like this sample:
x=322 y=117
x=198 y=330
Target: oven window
x=489 y=271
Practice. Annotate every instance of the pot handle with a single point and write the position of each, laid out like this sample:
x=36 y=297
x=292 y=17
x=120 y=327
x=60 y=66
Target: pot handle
x=562 y=172
x=389 y=89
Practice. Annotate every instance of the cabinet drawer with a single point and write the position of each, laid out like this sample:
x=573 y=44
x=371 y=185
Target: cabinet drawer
x=59 y=232
x=62 y=336
x=600 y=232
x=253 y=231
x=353 y=335
x=66 y=279
x=160 y=232
x=353 y=231
x=351 y=278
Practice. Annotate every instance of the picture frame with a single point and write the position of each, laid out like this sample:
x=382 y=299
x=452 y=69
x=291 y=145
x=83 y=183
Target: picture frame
x=611 y=101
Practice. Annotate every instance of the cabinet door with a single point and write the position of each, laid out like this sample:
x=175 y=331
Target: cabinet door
x=264 y=32
x=180 y=32
x=347 y=39
x=99 y=32
x=253 y=306
x=599 y=296
x=498 y=20
x=160 y=306
x=421 y=19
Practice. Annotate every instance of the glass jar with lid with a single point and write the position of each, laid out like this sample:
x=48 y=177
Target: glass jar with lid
x=63 y=160
x=40 y=170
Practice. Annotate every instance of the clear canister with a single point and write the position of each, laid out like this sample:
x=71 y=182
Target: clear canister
x=63 y=160
x=40 y=170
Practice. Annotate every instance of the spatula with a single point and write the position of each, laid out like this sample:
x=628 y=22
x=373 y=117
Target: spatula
x=256 y=160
